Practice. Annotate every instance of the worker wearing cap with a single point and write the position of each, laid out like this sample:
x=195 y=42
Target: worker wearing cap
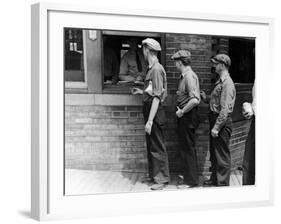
x=132 y=66
x=188 y=98
x=154 y=93
x=221 y=104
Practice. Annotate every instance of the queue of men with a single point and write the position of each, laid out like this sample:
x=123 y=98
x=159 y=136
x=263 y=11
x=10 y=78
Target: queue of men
x=221 y=103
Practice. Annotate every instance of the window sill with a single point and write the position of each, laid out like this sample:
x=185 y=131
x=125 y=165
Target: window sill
x=103 y=99
x=120 y=88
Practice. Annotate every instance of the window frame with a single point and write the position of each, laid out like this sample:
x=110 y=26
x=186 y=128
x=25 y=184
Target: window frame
x=125 y=90
x=78 y=84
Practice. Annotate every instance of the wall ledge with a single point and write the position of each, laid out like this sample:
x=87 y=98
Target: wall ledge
x=102 y=99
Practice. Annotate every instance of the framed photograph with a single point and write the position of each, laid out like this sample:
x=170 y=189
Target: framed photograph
x=96 y=75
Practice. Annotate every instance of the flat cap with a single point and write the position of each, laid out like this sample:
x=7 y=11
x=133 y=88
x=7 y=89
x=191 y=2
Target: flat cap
x=221 y=58
x=152 y=44
x=181 y=54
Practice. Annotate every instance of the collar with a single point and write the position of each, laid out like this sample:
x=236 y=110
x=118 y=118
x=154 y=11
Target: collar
x=186 y=71
x=153 y=63
x=223 y=77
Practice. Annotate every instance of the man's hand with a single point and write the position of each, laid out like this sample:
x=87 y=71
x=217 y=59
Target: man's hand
x=136 y=91
x=248 y=115
x=247 y=110
x=203 y=95
x=139 y=78
x=215 y=133
x=179 y=112
x=148 y=127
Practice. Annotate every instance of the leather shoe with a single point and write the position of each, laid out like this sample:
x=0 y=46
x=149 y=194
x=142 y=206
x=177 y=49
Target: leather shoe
x=158 y=186
x=209 y=183
x=186 y=186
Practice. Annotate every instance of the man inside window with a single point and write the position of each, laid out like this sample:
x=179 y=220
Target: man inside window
x=132 y=66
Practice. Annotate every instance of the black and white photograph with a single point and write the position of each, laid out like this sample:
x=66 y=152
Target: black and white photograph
x=147 y=112
x=152 y=111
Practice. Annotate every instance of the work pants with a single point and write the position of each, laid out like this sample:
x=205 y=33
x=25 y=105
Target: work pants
x=220 y=152
x=186 y=132
x=158 y=165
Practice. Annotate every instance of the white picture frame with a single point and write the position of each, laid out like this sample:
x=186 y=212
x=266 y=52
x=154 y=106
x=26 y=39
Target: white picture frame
x=48 y=201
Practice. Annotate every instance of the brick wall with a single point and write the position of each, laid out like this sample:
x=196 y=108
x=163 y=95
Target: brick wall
x=112 y=137
x=105 y=137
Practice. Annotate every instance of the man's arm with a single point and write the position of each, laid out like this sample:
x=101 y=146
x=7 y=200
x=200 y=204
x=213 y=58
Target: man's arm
x=154 y=108
x=128 y=78
x=192 y=85
x=157 y=90
x=227 y=104
x=136 y=91
x=124 y=70
x=152 y=113
x=191 y=104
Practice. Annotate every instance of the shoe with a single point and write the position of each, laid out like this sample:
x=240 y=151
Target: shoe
x=158 y=186
x=180 y=182
x=209 y=183
x=186 y=186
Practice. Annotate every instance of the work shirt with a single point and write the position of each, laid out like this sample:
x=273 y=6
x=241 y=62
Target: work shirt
x=132 y=62
x=222 y=100
x=155 y=83
x=188 y=87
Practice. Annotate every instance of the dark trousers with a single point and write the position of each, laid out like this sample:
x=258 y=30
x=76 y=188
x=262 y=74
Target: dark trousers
x=220 y=152
x=188 y=155
x=249 y=157
x=158 y=165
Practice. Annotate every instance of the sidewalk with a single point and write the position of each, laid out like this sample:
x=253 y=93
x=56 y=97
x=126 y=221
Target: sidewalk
x=80 y=182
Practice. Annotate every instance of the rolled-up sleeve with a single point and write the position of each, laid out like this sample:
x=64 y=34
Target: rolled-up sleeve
x=227 y=101
x=157 y=83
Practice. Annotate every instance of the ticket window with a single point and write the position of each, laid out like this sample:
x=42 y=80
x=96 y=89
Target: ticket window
x=118 y=43
x=89 y=59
